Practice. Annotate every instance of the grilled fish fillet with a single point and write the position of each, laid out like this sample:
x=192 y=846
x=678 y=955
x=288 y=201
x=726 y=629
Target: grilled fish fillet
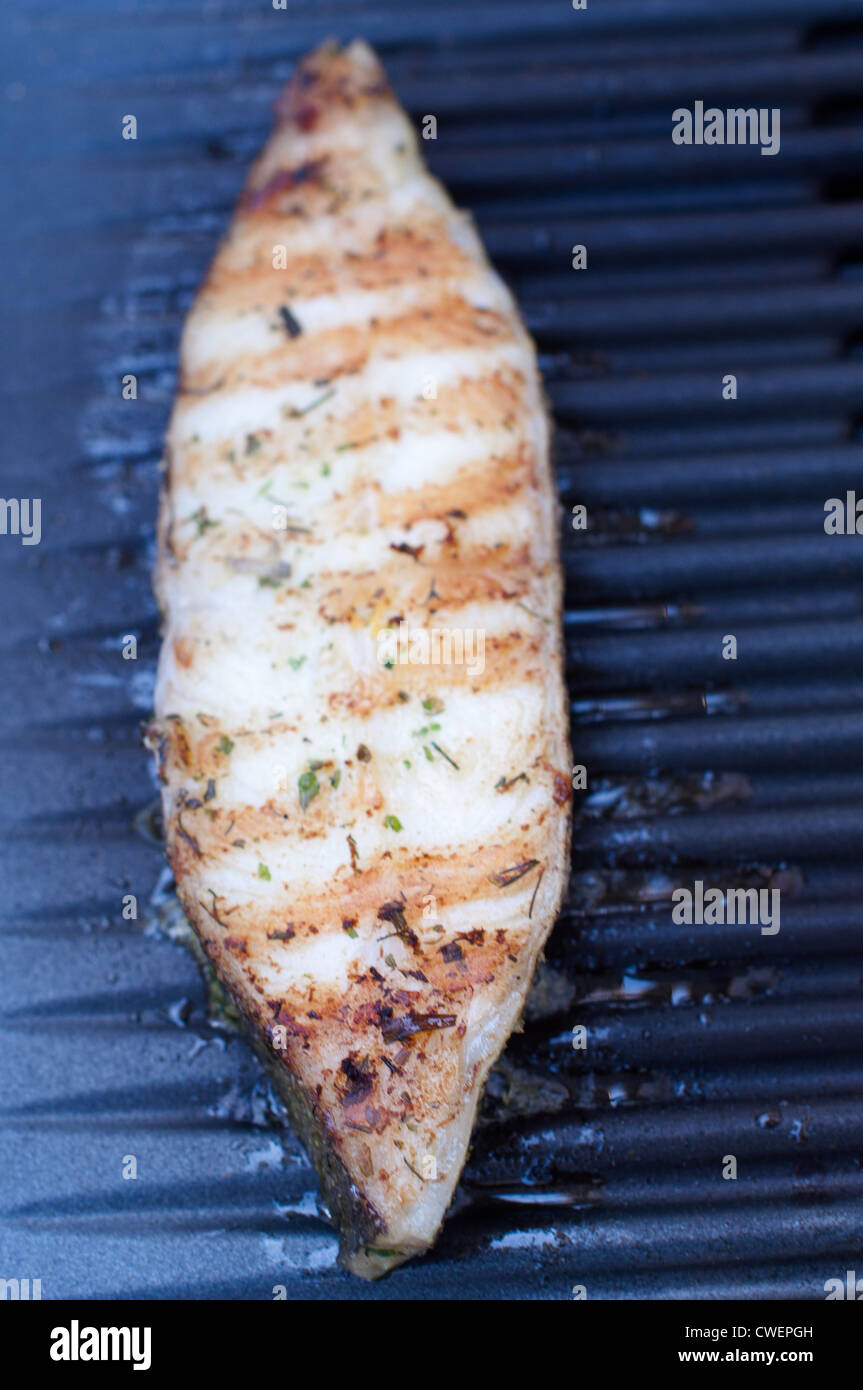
x=360 y=718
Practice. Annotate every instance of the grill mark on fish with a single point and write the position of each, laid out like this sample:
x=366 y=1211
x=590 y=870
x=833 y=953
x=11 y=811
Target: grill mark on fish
x=478 y=403
x=390 y=257
x=343 y=352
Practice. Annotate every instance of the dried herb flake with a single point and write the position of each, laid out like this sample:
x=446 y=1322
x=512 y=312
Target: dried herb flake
x=308 y=788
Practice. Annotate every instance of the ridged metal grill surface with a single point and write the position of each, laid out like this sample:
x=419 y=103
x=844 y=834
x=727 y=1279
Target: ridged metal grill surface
x=600 y=1167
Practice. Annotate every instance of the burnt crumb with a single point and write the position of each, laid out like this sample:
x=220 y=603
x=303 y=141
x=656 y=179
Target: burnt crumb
x=291 y=1025
x=415 y=551
x=393 y=912
x=408 y=1025
x=292 y=326
x=283 y=934
x=562 y=790
x=364 y=754
x=356 y=1081
x=451 y=951
x=282 y=181
x=307 y=116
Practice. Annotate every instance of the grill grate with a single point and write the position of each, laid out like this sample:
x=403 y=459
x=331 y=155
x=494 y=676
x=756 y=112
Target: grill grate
x=601 y=1167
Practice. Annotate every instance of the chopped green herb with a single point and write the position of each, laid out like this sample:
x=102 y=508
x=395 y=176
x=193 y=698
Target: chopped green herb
x=407 y=764
x=512 y=875
x=266 y=581
x=429 y=754
x=535 y=891
x=213 y=911
x=444 y=754
x=336 y=778
x=503 y=784
x=295 y=662
x=265 y=491
x=390 y=960
x=392 y=823
x=432 y=705
x=308 y=788
x=263 y=872
x=201 y=520
x=538 y=616
x=306 y=582
x=292 y=413
x=325 y=470
x=226 y=745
